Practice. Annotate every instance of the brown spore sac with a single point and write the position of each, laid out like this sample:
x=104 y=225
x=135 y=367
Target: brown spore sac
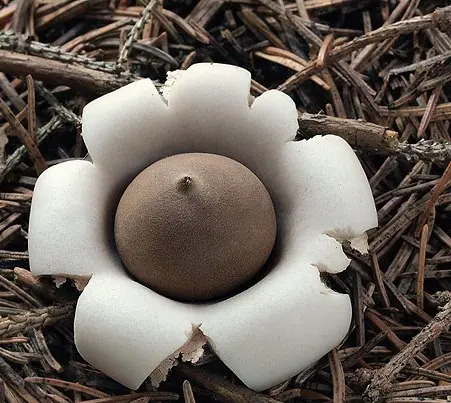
x=195 y=227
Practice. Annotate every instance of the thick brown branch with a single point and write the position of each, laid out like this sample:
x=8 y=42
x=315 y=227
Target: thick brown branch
x=372 y=137
x=59 y=73
x=364 y=135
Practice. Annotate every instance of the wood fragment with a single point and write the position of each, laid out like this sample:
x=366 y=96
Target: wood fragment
x=56 y=72
x=68 y=11
x=338 y=377
x=224 y=389
x=366 y=348
x=386 y=374
x=188 y=393
x=289 y=60
x=10 y=93
x=44 y=350
x=430 y=110
x=389 y=31
x=380 y=282
x=25 y=138
x=31 y=108
x=35 y=318
x=436 y=192
x=382 y=326
x=324 y=51
x=135 y=397
x=357 y=133
x=66 y=385
x=358 y=309
x=135 y=32
x=15 y=158
x=421 y=266
x=432 y=392
x=91 y=35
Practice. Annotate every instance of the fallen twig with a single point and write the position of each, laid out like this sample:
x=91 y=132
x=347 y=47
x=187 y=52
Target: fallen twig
x=225 y=390
x=28 y=141
x=60 y=73
x=389 y=31
x=134 y=33
x=15 y=158
x=377 y=387
x=33 y=319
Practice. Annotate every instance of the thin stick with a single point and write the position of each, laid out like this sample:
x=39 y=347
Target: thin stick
x=135 y=32
x=220 y=386
x=19 y=292
x=26 y=140
x=15 y=43
x=387 y=32
x=365 y=349
x=35 y=318
x=429 y=113
x=338 y=377
x=31 y=108
x=16 y=157
x=436 y=192
x=66 y=385
x=421 y=266
x=188 y=394
x=379 y=281
x=67 y=47
x=162 y=396
x=44 y=349
x=302 y=9
x=426 y=150
x=431 y=332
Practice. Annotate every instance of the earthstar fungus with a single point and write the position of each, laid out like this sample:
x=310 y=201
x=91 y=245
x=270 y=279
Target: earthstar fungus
x=265 y=333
